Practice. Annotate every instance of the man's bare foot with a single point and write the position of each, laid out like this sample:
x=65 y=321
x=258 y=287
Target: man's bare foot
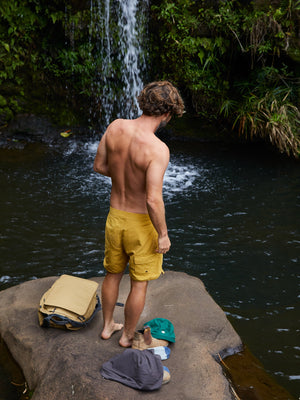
x=125 y=341
x=110 y=330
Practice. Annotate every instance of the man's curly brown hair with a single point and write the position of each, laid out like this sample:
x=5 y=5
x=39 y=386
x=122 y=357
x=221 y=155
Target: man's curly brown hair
x=158 y=98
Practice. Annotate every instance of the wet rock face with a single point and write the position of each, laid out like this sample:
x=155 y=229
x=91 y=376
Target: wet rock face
x=25 y=129
x=29 y=128
x=60 y=364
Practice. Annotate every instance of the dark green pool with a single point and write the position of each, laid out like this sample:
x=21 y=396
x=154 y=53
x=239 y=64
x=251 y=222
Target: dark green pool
x=234 y=221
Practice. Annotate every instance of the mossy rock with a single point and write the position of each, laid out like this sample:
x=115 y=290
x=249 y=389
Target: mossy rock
x=3 y=101
x=6 y=115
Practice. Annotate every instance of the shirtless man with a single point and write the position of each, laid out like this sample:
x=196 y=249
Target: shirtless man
x=136 y=230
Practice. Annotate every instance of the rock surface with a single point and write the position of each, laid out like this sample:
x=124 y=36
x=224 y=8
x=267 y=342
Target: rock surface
x=26 y=129
x=60 y=364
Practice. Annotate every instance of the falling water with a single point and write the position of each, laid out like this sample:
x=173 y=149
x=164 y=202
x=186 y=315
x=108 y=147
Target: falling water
x=132 y=50
x=120 y=62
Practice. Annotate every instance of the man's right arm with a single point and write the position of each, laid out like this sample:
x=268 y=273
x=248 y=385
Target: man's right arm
x=155 y=204
x=101 y=163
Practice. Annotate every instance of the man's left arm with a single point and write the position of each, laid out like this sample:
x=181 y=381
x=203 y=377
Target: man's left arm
x=154 y=200
x=101 y=162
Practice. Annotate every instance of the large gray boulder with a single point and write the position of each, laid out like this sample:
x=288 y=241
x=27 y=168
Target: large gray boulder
x=59 y=364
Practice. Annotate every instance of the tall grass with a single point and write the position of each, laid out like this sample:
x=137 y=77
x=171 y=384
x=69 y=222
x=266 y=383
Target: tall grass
x=268 y=113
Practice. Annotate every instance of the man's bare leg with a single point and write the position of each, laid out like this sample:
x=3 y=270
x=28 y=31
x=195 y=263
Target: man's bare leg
x=109 y=294
x=133 y=308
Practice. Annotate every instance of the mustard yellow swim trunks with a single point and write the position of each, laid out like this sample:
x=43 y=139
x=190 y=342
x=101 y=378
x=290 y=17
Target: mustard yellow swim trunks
x=131 y=238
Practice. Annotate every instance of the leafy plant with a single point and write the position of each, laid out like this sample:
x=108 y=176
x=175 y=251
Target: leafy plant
x=272 y=118
x=232 y=61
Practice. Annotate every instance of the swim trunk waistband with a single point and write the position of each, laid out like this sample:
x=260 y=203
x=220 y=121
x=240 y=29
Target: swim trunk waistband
x=128 y=215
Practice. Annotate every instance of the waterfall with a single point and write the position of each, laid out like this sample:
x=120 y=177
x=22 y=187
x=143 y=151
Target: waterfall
x=120 y=29
x=132 y=50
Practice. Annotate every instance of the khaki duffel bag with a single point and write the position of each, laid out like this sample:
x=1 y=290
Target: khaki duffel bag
x=70 y=303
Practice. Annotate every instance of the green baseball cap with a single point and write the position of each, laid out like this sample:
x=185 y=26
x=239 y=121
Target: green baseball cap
x=161 y=328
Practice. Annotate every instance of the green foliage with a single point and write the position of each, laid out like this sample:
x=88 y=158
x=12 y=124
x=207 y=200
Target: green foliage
x=54 y=52
x=188 y=57
x=267 y=110
x=37 y=52
x=231 y=60
x=271 y=117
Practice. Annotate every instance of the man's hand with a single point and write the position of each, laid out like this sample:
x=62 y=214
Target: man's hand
x=164 y=244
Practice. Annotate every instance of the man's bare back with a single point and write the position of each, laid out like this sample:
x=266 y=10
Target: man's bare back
x=131 y=151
